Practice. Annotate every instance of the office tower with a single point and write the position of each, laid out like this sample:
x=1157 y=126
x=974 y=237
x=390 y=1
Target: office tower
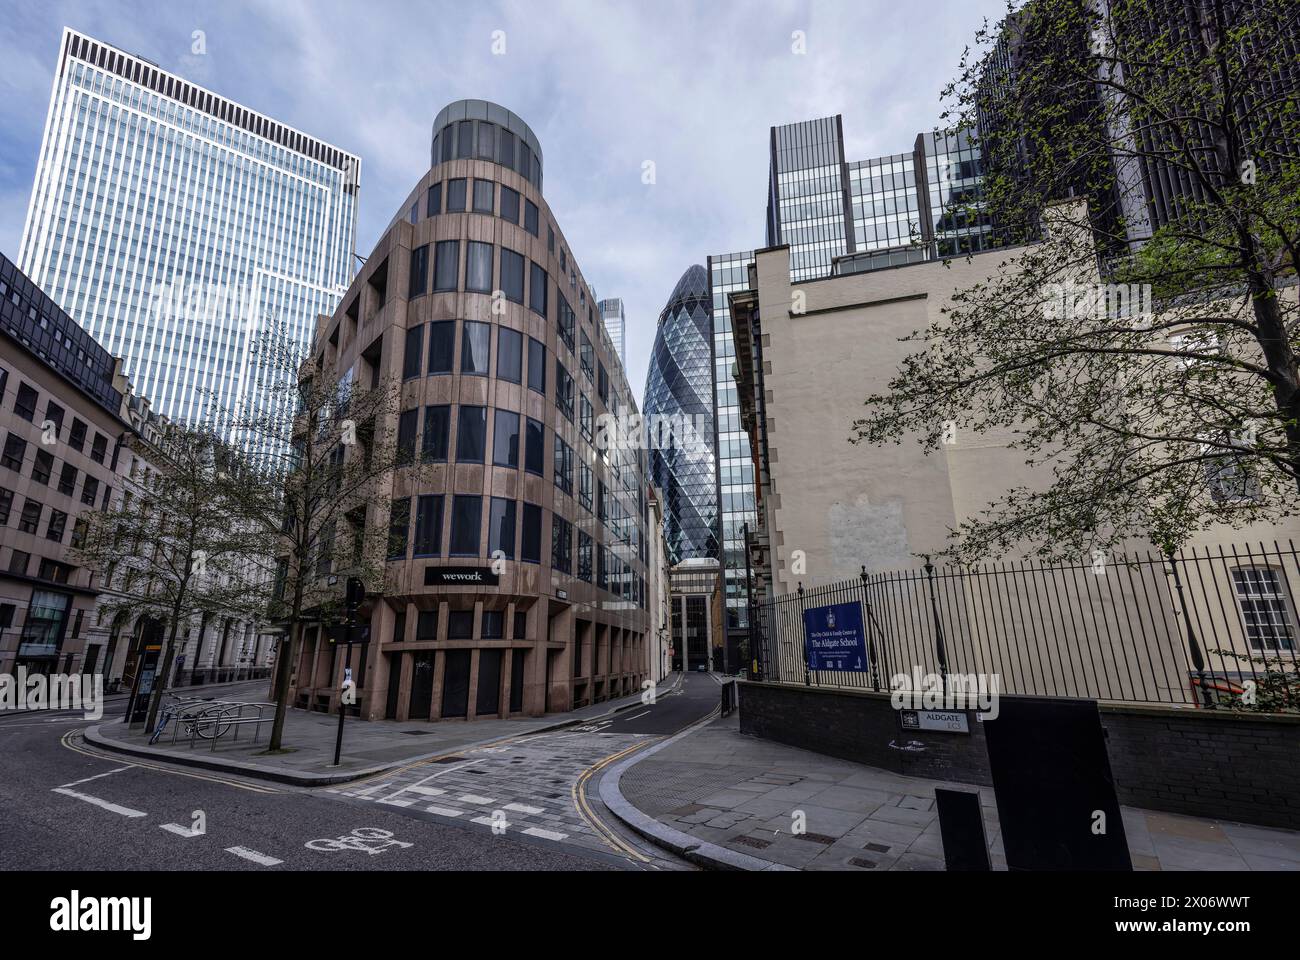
x=679 y=383
x=808 y=204
x=729 y=272
x=175 y=225
x=516 y=537
x=611 y=312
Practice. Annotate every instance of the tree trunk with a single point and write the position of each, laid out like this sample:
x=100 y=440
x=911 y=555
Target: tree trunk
x=169 y=653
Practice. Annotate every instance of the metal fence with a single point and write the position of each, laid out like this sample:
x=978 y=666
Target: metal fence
x=1198 y=629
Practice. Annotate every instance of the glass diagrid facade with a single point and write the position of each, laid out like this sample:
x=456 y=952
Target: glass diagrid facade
x=175 y=225
x=680 y=383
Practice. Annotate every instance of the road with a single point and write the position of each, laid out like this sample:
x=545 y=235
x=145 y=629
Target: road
x=526 y=803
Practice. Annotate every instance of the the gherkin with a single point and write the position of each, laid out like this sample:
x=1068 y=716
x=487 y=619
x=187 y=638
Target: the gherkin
x=680 y=383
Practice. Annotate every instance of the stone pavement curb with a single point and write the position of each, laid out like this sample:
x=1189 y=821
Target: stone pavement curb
x=710 y=855
x=307 y=779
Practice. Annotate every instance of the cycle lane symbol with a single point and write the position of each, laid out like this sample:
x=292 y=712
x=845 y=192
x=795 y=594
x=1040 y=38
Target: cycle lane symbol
x=371 y=840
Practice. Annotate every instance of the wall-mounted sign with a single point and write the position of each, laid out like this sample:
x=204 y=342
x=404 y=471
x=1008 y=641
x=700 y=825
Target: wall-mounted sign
x=945 y=721
x=562 y=594
x=833 y=637
x=460 y=577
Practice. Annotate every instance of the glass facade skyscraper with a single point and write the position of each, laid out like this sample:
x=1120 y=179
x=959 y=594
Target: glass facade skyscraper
x=886 y=202
x=611 y=312
x=808 y=195
x=176 y=225
x=680 y=383
x=729 y=272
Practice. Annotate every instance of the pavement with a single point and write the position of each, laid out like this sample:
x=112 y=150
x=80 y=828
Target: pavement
x=369 y=746
x=726 y=800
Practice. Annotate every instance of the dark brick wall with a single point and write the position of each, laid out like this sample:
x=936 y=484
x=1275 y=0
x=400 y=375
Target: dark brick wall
x=1231 y=766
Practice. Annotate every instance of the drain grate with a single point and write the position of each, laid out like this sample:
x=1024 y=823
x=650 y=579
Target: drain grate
x=756 y=842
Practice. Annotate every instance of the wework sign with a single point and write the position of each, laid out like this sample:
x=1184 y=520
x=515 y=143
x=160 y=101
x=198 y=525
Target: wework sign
x=460 y=577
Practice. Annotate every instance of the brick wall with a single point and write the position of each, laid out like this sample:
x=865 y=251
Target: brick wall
x=1232 y=766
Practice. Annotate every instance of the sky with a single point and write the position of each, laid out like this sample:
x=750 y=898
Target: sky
x=692 y=87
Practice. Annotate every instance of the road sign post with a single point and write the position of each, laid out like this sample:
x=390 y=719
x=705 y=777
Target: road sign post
x=348 y=692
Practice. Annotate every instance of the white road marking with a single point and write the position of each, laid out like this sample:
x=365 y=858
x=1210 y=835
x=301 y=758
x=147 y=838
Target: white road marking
x=259 y=858
x=475 y=798
x=523 y=808
x=439 y=773
x=444 y=811
x=395 y=803
x=98 y=775
x=366 y=791
x=427 y=791
x=95 y=801
x=180 y=831
x=640 y=715
x=545 y=834
x=486 y=821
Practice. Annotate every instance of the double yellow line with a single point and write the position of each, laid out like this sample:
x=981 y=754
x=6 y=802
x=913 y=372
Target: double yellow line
x=67 y=741
x=587 y=813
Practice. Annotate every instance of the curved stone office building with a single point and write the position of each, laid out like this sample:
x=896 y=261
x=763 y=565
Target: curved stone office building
x=680 y=383
x=473 y=301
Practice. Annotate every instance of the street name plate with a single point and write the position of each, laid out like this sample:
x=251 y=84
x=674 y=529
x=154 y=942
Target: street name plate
x=945 y=721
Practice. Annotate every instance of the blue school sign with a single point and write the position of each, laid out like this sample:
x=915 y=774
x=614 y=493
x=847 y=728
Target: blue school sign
x=833 y=638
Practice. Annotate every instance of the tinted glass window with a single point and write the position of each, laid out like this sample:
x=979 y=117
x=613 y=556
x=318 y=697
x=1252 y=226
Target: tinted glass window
x=406 y=428
x=510 y=359
x=475 y=346
x=535 y=447
x=419 y=272
x=428 y=526
x=501 y=527
x=509 y=204
x=456 y=195
x=437 y=431
x=411 y=359
x=537 y=290
x=484 y=196
x=505 y=439
x=512 y=275
x=466 y=513
x=530 y=545
x=433 y=204
x=530 y=217
x=471 y=435
x=536 y=365
x=446 y=267
x=478 y=267
x=442 y=346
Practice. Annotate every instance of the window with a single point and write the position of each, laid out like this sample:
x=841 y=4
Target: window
x=437 y=431
x=535 y=447
x=563 y=465
x=585 y=417
x=1264 y=608
x=399 y=626
x=54 y=529
x=434 y=204
x=68 y=480
x=537 y=290
x=521 y=624
x=530 y=217
x=428 y=526
x=89 y=490
x=15 y=450
x=471 y=435
x=6 y=505
x=510 y=355
x=426 y=625
x=509 y=204
x=536 y=365
x=419 y=272
x=506 y=149
x=460 y=625
x=494 y=625
x=411 y=357
x=561 y=544
x=563 y=390
x=77 y=437
x=1229 y=477
x=602 y=384
x=25 y=403
x=505 y=439
x=414 y=215
x=475 y=346
x=602 y=569
x=584 y=557
x=42 y=467
x=512 y=275
x=466 y=517
x=601 y=500
x=456 y=196
x=478 y=267
x=18 y=561
x=98 y=447
x=399 y=520
x=587 y=358
x=501 y=528
x=442 y=346
x=53 y=413
x=530 y=544
x=568 y=323
x=484 y=196
x=407 y=425
x=584 y=485
x=446 y=265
